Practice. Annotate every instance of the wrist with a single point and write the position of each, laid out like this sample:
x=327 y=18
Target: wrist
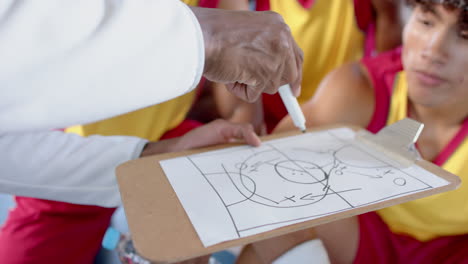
x=159 y=147
x=206 y=18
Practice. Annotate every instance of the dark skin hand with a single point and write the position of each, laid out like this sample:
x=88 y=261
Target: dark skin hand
x=250 y=52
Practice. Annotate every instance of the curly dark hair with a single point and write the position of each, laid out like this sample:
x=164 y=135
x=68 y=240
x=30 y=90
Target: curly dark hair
x=449 y=4
x=460 y=4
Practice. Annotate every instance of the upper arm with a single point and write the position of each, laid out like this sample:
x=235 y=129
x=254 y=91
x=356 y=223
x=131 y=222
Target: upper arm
x=345 y=96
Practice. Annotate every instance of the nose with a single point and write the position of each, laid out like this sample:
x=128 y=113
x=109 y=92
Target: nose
x=436 y=49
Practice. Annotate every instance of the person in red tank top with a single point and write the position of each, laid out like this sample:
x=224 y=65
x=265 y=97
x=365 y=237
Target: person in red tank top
x=378 y=20
x=434 y=58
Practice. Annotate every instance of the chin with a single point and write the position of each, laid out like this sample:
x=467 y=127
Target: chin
x=424 y=97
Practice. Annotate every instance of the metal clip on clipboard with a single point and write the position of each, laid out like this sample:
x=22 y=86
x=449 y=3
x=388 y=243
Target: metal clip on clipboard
x=396 y=141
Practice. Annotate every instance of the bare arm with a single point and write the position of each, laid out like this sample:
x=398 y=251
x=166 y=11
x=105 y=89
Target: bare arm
x=345 y=96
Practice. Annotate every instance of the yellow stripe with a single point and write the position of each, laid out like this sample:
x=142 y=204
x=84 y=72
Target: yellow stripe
x=150 y=123
x=191 y=2
x=438 y=215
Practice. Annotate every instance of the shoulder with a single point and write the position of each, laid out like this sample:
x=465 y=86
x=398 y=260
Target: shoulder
x=346 y=95
x=383 y=68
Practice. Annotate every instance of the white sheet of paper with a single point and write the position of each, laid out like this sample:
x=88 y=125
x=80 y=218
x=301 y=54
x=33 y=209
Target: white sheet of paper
x=241 y=191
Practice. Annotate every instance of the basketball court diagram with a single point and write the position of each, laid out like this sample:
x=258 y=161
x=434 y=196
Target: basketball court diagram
x=290 y=180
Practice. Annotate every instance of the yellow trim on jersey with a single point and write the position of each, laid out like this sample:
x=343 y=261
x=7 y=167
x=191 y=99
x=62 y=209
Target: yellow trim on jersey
x=150 y=123
x=438 y=215
x=327 y=33
x=191 y=2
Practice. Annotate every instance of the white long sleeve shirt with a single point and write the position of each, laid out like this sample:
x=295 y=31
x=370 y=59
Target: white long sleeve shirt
x=65 y=167
x=66 y=62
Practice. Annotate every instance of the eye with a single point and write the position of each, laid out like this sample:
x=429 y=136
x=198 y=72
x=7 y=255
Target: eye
x=426 y=22
x=425 y=15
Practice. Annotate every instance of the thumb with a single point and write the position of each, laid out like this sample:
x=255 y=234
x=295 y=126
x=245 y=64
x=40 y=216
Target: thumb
x=245 y=92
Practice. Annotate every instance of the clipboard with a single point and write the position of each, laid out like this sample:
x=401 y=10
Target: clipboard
x=162 y=232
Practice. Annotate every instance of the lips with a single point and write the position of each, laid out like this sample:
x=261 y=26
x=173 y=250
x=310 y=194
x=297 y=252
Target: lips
x=428 y=78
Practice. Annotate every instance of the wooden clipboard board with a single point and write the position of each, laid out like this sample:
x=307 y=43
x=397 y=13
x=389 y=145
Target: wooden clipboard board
x=162 y=231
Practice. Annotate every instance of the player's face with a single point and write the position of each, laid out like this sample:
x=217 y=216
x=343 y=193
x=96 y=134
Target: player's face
x=435 y=56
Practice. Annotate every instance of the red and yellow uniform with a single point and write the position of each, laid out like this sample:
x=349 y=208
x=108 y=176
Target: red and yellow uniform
x=202 y=3
x=428 y=230
x=443 y=214
x=150 y=123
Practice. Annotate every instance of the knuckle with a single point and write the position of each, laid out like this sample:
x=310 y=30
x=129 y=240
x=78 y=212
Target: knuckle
x=300 y=54
x=285 y=31
x=286 y=28
x=281 y=47
x=283 y=44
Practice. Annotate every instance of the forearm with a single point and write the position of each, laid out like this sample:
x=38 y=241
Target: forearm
x=345 y=96
x=162 y=146
x=73 y=62
x=65 y=167
x=233 y=109
x=286 y=124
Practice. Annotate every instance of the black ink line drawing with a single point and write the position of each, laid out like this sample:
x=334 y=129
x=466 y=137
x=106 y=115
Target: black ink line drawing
x=303 y=178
